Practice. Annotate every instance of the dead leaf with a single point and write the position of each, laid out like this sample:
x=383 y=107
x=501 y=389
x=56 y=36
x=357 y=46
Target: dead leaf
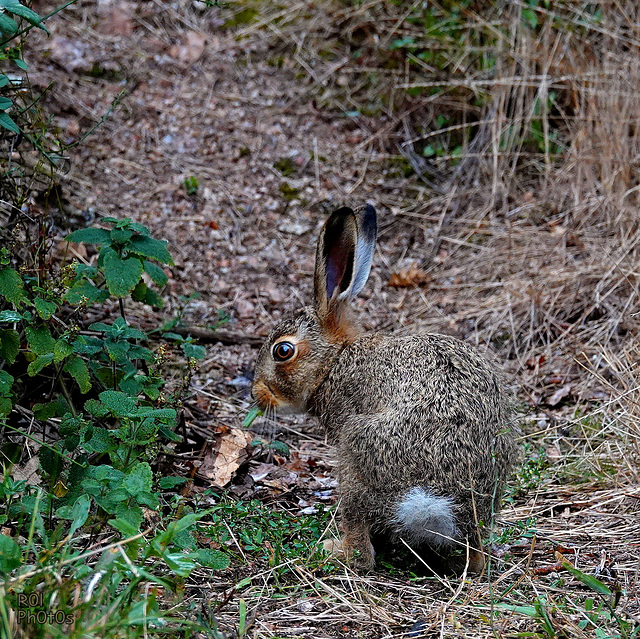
x=559 y=395
x=28 y=472
x=225 y=455
x=412 y=275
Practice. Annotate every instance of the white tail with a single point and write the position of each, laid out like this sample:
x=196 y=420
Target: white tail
x=423 y=517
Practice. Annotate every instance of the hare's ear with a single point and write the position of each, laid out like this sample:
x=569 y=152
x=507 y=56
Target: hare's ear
x=344 y=255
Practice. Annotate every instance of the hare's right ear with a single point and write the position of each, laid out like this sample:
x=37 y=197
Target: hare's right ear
x=343 y=257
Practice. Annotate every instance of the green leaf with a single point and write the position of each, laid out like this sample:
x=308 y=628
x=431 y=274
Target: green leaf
x=8 y=27
x=90 y=235
x=167 y=483
x=159 y=277
x=589 y=580
x=10 y=554
x=142 y=293
x=120 y=236
x=253 y=413
x=21 y=64
x=530 y=17
x=150 y=500
x=101 y=441
x=10 y=316
x=80 y=513
x=194 y=350
x=39 y=363
x=140 y=479
x=13 y=6
x=5 y=406
x=147 y=246
x=86 y=289
x=44 y=309
x=123 y=526
x=39 y=339
x=11 y=287
x=121 y=275
x=5 y=121
x=180 y=563
x=5 y=103
x=77 y=368
x=118 y=404
x=61 y=350
x=9 y=345
x=213 y=559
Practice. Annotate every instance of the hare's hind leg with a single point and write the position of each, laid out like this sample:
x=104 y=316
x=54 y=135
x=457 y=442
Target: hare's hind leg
x=357 y=546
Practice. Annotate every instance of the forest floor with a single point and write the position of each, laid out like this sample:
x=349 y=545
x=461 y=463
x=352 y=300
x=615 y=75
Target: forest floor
x=205 y=106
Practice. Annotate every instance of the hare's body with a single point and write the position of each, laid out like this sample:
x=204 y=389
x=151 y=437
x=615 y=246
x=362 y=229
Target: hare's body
x=421 y=423
x=440 y=422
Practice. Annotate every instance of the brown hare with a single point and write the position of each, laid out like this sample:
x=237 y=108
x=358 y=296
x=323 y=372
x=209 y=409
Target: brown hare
x=421 y=424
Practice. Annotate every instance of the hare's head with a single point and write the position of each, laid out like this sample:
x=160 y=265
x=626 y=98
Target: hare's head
x=298 y=353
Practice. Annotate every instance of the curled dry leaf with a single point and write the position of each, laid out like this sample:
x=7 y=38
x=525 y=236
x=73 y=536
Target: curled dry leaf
x=224 y=455
x=559 y=395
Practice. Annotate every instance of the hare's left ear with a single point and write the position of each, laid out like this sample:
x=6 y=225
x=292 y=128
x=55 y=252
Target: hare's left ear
x=343 y=257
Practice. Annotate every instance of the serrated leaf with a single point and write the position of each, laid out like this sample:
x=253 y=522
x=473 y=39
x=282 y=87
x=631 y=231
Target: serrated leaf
x=39 y=339
x=101 y=441
x=5 y=406
x=39 y=363
x=159 y=277
x=121 y=275
x=61 y=350
x=142 y=293
x=96 y=408
x=118 y=404
x=77 y=368
x=11 y=287
x=149 y=247
x=90 y=235
x=44 y=308
x=194 y=350
x=120 y=236
x=10 y=316
x=214 y=559
x=148 y=499
x=140 y=479
x=85 y=289
x=5 y=121
x=9 y=345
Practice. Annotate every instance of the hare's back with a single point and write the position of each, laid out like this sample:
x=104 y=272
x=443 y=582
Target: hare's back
x=436 y=375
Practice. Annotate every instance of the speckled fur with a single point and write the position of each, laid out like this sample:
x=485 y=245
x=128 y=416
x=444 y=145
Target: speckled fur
x=424 y=411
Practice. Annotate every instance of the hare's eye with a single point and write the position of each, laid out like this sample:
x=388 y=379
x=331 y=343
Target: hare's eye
x=283 y=351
